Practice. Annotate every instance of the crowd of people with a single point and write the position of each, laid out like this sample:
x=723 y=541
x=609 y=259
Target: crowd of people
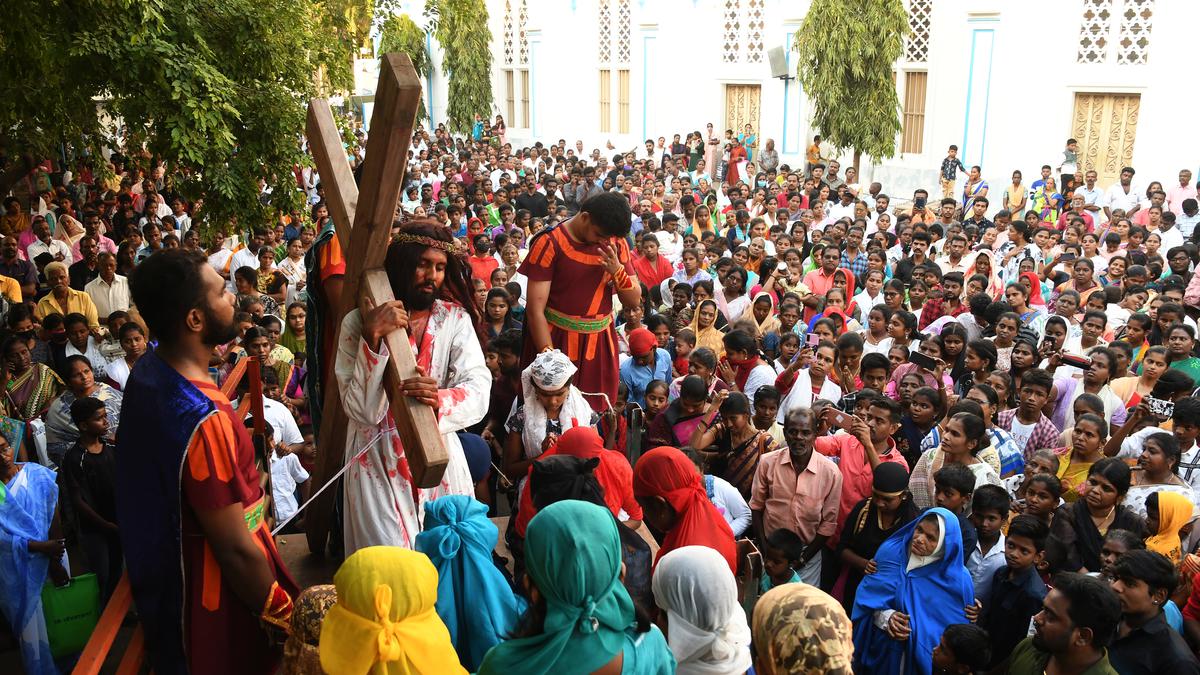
x=954 y=433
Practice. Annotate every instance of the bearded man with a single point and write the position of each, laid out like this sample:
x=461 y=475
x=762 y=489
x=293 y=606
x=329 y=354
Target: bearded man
x=429 y=273
x=206 y=576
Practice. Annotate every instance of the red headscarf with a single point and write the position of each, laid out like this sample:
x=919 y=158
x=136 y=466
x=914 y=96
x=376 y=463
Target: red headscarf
x=668 y=473
x=614 y=474
x=1035 y=289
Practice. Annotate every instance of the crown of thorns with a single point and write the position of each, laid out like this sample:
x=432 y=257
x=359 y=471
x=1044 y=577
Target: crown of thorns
x=453 y=247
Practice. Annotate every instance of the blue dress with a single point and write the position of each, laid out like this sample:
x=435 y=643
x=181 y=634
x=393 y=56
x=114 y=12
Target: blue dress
x=933 y=596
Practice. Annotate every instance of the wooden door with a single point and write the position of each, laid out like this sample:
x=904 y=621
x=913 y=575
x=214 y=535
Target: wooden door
x=742 y=107
x=1105 y=126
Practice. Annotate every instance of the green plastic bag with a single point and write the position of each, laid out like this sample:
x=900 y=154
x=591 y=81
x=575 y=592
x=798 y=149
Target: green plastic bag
x=71 y=612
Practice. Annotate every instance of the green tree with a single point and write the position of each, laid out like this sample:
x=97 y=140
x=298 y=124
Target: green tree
x=401 y=34
x=217 y=89
x=846 y=52
x=461 y=27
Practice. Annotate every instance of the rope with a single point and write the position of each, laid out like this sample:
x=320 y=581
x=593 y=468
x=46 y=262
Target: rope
x=362 y=451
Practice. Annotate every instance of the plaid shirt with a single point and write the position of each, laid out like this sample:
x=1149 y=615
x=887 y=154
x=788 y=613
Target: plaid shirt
x=1045 y=434
x=950 y=167
x=857 y=266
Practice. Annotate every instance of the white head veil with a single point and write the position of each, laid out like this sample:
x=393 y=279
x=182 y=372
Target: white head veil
x=551 y=370
x=706 y=626
x=918 y=561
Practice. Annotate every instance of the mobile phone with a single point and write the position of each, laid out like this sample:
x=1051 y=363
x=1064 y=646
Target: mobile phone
x=812 y=340
x=839 y=418
x=919 y=202
x=923 y=360
x=1081 y=362
x=1160 y=408
x=1068 y=256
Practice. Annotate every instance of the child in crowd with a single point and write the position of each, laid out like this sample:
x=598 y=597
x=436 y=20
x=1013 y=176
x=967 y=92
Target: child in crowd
x=989 y=513
x=685 y=342
x=954 y=485
x=1043 y=496
x=964 y=649
x=288 y=479
x=1017 y=591
x=88 y=475
x=766 y=411
x=782 y=552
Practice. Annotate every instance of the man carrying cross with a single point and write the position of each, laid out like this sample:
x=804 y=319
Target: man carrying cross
x=573 y=270
x=426 y=269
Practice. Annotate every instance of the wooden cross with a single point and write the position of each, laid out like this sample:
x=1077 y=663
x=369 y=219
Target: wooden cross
x=371 y=207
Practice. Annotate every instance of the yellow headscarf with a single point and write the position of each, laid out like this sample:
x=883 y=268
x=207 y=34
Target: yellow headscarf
x=385 y=622
x=767 y=325
x=1174 y=511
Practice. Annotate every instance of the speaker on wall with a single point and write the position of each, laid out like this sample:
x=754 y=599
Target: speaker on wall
x=778 y=60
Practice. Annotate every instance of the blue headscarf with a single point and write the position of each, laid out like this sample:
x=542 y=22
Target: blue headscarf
x=474 y=599
x=933 y=596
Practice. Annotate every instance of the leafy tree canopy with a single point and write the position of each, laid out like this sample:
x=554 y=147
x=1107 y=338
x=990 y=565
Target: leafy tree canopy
x=215 y=88
x=846 y=53
x=401 y=34
x=461 y=26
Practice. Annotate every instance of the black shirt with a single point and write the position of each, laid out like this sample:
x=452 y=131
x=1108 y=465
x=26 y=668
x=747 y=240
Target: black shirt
x=93 y=478
x=904 y=268
x=1015 y=597
x=1153 y=648
x=535 y=203
x=21 y=270
x=81 y=274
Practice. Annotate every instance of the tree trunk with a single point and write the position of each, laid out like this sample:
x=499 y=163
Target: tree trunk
x=857 y=161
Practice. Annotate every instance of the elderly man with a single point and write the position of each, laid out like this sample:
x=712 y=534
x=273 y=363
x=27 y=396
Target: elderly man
x=798 y=490
x=109 y=291
x=64 y=300
x=382 y=504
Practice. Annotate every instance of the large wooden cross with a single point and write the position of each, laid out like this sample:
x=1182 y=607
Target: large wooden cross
x=371 y=208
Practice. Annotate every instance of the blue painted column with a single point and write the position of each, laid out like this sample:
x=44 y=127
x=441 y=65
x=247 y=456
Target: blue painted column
x=979 y=89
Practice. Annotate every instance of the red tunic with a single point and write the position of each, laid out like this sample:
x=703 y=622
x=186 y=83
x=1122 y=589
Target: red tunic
x=581 y=289
x=222 y=634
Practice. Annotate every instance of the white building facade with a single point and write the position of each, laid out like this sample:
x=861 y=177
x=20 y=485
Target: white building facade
x=1006 y=81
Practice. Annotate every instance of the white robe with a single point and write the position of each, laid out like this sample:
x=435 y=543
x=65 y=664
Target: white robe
x=381 y=508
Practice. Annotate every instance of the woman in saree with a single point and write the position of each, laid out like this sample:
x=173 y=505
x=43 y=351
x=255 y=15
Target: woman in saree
x=31 y=548
x=704 y=326
x=761 y=312
x=918 y=588
x=30 y=387
x=1078 y=529
x=737 y=443
x=1166 y=514
x=61 y=432
x=580 y=619
x=985 y=264
x=1047 y=202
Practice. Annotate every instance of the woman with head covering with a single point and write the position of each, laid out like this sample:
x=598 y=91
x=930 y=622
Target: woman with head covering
x=761 y=312
x=706 y=626
x=549 y=405
x=674 y=502
x=384 y=622
x=581 y=618
x=985 y=264
x=919 y=587
x=474 y=599
x=704 y=326
x=871 y=522
x=613 y=472
x=1166 y=514
x=800 y=630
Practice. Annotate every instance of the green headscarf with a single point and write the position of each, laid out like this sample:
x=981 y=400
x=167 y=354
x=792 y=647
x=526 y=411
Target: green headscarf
x=573 y=555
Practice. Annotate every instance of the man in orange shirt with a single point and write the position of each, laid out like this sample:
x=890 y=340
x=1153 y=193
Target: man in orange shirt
x=819 y=281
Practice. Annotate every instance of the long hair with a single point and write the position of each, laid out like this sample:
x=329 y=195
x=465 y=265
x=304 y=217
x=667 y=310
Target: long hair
x=402 y=259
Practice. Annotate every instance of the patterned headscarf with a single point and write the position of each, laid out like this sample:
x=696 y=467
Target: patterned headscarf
x=800 y=629
x=551 y=370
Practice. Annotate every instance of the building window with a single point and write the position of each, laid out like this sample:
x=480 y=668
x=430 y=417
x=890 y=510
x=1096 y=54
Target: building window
x=623 y=101
x=525 y=98
x=916 y=44
x=755 y=25
x=623 y=31
x=508 y=32
x=1093 y=31
x=605 y=100
x=604 y=33
x=913 y=134
x=1133 y=49
x=731 y=32
x=510 y=109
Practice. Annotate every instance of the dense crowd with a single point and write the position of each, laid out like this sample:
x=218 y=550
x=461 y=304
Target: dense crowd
x=949 y=432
